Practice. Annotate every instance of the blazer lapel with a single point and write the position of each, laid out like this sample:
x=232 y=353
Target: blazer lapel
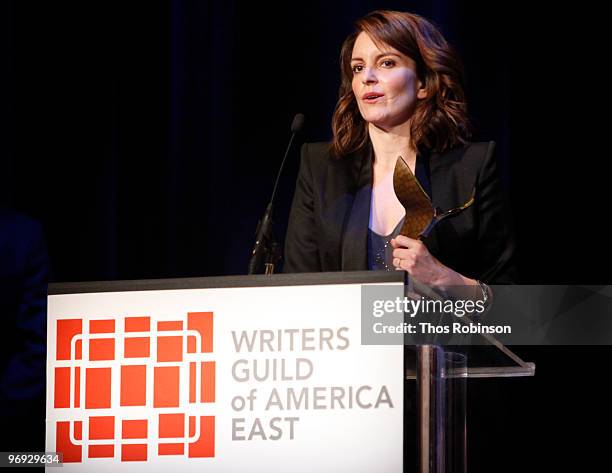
x=450 y=187
x=355 y=234
x=430 y=171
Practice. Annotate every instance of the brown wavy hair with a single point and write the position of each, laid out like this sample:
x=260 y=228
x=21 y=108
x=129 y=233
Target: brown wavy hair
x=440 y=121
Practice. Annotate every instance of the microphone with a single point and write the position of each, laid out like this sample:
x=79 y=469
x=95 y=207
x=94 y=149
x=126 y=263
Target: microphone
x=265 y=249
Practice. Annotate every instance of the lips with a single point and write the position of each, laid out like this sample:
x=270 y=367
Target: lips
x=371 y=96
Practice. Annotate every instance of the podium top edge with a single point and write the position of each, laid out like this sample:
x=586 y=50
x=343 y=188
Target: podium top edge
x=260 y=280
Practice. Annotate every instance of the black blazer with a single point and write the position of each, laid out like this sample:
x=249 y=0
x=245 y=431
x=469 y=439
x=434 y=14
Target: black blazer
x=328 y=223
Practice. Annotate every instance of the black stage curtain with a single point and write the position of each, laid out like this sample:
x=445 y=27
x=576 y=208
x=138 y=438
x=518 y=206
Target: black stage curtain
x=146 y=135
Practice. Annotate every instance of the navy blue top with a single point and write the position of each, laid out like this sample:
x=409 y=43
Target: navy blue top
x=380 y=251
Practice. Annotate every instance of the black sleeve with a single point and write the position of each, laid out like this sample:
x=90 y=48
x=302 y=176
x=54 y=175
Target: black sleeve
x=496 y=246
x=301 y=249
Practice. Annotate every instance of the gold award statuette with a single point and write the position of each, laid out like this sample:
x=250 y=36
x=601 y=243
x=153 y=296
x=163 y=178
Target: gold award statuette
x=421 y=217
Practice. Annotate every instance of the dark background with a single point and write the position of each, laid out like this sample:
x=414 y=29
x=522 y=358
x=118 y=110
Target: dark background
x=145 y=137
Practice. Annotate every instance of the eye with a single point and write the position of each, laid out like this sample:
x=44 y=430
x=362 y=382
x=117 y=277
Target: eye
x=388 y=63
x=357 y=68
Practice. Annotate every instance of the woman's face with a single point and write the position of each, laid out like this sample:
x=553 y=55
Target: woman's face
x=385 y=83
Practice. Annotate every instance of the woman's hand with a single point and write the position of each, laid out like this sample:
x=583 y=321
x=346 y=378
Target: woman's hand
x=413 y=256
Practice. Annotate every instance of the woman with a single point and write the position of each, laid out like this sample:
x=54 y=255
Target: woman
x=401 y=94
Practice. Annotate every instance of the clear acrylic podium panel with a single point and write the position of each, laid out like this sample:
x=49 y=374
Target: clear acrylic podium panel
x=488 y=358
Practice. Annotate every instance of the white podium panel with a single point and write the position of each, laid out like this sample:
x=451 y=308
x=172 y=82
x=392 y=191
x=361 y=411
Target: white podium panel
x=227 y=379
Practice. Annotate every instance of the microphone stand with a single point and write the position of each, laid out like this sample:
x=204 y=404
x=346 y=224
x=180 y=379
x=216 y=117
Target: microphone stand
x=265 y=249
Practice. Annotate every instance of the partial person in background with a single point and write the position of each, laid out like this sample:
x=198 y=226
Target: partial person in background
x=23 y=310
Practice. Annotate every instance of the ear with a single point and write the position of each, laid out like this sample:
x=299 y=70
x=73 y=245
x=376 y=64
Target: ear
x=421 y=90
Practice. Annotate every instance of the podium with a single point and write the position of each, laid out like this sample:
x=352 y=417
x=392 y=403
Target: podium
x=248 y=373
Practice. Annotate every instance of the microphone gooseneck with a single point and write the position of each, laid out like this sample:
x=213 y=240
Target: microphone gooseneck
x=265 y=249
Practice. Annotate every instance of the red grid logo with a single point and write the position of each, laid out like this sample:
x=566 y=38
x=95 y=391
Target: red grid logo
x=124 y=384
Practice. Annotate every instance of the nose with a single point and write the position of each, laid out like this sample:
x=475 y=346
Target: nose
x=369 y=77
